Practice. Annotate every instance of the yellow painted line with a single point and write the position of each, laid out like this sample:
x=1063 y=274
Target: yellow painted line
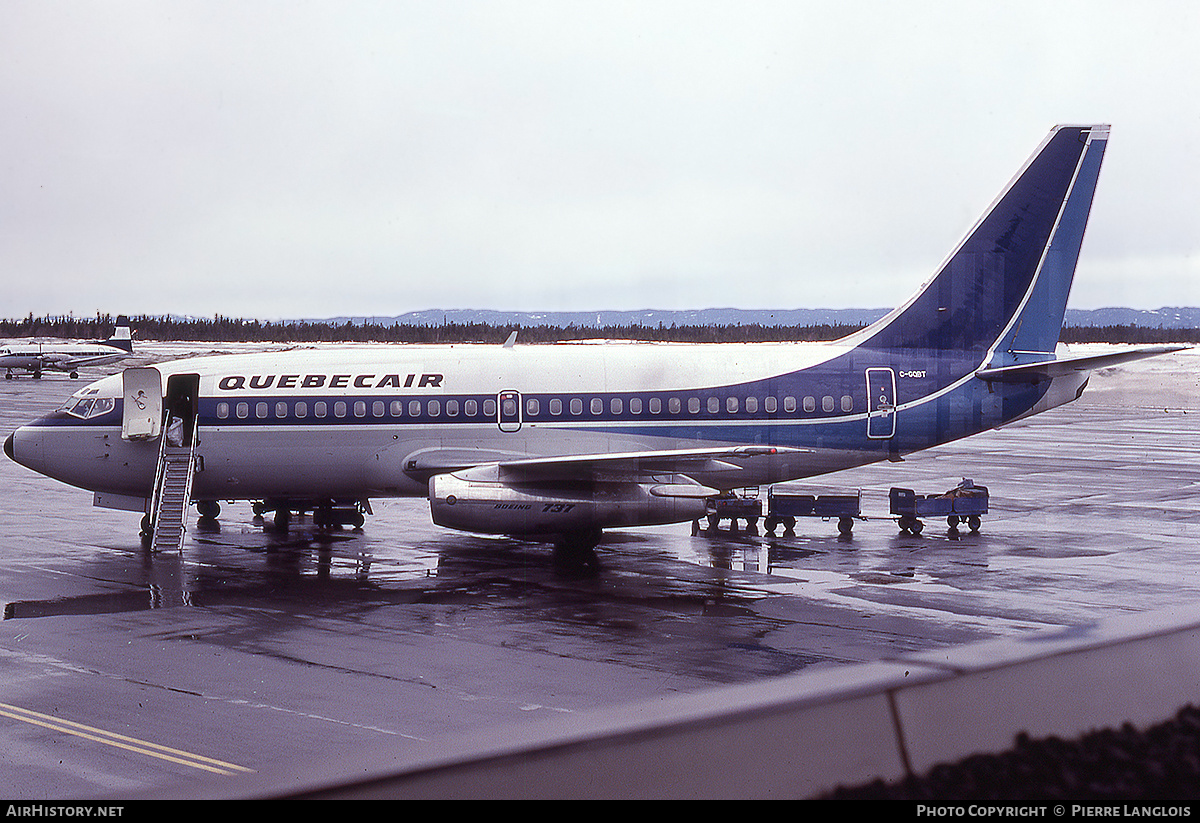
x=121 y=741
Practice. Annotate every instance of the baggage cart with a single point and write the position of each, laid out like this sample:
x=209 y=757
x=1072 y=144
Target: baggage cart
x=784 y=507
x=965 y=503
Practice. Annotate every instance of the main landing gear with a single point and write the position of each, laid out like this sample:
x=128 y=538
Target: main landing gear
x=326 y=515
x=576 y=551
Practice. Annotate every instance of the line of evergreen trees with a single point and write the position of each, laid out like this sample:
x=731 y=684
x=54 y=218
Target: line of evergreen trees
x=228 y=329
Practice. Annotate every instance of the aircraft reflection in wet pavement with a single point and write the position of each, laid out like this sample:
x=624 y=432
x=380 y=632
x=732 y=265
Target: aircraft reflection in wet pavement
x=565 y=440
x=35 y=357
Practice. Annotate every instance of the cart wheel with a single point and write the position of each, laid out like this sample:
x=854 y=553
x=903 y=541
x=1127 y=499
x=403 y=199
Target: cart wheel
x=845 y=526
x=916 y=527
x=973 y=524
x=952 y=521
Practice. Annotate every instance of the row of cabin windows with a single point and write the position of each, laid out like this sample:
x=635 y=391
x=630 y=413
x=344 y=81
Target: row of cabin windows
x=471 y=408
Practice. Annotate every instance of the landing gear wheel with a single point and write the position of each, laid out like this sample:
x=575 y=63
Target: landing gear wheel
x=208 y=509
x=576 y=551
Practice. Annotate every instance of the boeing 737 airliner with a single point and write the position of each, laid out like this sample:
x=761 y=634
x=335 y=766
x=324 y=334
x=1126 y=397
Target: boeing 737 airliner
x=570 y=439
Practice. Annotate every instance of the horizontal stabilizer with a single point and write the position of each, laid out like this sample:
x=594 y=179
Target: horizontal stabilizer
x=1049 y=369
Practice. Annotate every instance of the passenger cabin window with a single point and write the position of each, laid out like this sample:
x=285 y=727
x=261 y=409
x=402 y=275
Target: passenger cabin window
x=556 y=406
x=301 y=408
x=320 y=409
x=847 y=403
x=826 y=403
x=222 y=410
x=810 y=404
x=576 y=406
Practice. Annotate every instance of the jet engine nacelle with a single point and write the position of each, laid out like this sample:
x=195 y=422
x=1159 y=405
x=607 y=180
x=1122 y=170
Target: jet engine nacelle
x=493 y=506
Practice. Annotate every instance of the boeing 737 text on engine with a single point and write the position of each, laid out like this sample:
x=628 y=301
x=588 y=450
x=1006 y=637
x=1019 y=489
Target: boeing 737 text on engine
x=567 y=440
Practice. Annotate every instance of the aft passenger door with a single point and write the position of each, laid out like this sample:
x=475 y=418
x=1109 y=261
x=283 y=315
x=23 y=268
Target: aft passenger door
x=509 y=411
x=881 y=403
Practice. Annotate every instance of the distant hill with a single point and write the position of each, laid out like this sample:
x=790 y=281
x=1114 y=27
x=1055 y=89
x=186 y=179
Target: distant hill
x=1167 y=318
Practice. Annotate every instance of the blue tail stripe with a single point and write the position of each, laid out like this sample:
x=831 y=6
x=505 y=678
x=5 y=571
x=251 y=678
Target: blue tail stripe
x=1039 y=327
x=971 y=301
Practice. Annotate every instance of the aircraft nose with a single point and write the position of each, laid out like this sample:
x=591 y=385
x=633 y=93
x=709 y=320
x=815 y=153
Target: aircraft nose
x=8 y=447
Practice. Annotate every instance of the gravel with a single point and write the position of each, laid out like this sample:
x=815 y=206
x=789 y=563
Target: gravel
x=1159 y=763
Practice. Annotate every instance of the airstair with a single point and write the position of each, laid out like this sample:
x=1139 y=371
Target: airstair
x=172 y=493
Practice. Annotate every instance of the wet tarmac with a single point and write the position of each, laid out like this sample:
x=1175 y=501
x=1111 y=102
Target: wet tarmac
x=122 y=671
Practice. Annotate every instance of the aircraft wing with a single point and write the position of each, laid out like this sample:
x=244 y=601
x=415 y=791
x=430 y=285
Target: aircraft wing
x=83 y=362
x=638 y=466
x=1049 y=369
x=635 y=465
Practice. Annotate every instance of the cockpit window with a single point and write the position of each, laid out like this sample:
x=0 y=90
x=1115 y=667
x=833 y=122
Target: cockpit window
x=87 y=407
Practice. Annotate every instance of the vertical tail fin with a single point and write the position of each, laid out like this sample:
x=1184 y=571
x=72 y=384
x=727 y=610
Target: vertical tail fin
x=121 y=336
x=1004 y=288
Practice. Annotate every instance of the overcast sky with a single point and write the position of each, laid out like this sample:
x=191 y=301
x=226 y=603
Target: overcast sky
x=294 y=159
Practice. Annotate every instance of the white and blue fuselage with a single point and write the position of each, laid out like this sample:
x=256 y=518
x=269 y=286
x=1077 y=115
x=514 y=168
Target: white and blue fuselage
x=576 y=437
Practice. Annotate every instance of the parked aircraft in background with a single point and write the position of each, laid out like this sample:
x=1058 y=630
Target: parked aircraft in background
x=36 y=357
x=569 y=439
